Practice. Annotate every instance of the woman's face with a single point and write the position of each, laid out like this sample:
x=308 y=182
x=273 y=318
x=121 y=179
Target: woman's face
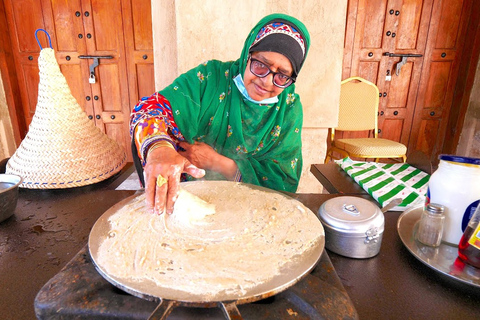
x=262 y=88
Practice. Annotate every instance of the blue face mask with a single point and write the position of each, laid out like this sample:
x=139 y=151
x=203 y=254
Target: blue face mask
x=241 y=87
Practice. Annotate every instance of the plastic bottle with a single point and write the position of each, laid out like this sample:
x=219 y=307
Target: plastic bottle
x=456 y=186
x=430 y=229
x=469 y=246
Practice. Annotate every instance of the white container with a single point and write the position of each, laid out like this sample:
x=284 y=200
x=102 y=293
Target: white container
x=456 y=186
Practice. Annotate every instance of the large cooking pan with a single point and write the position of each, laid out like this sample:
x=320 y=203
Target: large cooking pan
x=168 y=299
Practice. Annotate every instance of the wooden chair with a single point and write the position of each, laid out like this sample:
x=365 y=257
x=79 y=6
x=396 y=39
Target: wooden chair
x=359 y=112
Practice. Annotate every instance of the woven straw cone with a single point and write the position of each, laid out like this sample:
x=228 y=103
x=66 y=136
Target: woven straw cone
x=62 y=148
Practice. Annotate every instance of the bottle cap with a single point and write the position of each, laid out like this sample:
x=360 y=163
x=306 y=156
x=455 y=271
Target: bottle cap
x=435 y=208
x=453 y=158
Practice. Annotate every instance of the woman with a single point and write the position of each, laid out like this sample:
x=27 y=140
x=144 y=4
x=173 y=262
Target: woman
x=238 y=120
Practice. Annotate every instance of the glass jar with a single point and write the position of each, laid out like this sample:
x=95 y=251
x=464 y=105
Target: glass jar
x=455 y=185
x=430 y=228
x=469 y=246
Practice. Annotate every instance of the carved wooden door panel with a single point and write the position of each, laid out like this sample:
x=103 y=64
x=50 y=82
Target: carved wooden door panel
x=391 y=43
x=139 y=48
x=116 y=35
x=446 y=40
x=24 y=17
x=383 y=28
x=103 y=34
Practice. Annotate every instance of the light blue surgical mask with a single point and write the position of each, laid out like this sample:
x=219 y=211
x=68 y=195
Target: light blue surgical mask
x=241 y=87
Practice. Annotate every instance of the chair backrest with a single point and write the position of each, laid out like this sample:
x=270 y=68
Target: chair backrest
x=358 y=105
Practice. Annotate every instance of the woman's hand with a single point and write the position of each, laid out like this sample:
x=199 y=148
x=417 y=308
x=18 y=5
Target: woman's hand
x=204 y=156
x=167 y=163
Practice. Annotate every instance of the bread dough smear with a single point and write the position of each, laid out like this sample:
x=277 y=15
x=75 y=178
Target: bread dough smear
x=222 y=238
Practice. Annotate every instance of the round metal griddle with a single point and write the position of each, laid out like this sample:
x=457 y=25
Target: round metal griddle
x=168 y=298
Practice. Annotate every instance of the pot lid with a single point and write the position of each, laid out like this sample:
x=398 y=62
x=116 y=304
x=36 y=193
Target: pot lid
x=351 y=213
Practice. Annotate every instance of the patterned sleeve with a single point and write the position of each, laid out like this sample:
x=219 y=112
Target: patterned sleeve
x=152 y=121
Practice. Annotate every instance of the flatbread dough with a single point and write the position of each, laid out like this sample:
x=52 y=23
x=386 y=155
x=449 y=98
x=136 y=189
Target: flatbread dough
x=218 y=241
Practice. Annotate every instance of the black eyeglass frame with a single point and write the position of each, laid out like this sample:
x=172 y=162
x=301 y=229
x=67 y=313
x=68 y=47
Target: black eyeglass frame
x=292 y=80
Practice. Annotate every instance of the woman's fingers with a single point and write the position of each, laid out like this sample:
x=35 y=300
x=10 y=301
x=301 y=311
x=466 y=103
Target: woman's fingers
x=193 y=170
x=162 y=178
x=149 y=190
x=172 y=193
x=160 y=195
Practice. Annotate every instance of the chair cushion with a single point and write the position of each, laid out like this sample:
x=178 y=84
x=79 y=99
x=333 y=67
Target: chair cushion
x=371 y=147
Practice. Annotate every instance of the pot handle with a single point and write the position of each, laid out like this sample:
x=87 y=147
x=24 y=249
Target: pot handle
x=230 y=310
x=164 y=308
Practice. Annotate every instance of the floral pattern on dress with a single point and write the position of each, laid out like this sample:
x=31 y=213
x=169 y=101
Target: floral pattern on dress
x=290 y=98
x=222 y=96
x=259 y=147
x=229 y=131
x=200 y=76
x=276 y=131
x=293 y=163
x=241 y=149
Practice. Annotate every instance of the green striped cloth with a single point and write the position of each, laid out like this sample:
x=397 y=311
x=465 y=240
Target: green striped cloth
x=387 y=181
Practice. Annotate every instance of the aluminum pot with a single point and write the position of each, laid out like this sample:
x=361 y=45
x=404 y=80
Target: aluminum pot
x=8 y=194
x=353 y=226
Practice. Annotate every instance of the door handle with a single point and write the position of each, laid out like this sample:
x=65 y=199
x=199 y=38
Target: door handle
x=91 y=78
x=404 y=57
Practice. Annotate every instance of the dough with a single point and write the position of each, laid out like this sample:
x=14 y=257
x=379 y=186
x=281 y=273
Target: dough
x=224 y=239
x=191 y=209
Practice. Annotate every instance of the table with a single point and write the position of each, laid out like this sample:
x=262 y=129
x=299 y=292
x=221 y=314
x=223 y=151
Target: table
x=335 y=180
x=394 y=284
x=50 y=229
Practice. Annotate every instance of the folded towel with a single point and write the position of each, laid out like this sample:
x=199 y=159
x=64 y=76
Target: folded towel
x=387 y=181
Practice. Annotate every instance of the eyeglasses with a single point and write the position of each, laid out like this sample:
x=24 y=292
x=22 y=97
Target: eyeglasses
x=260 y=70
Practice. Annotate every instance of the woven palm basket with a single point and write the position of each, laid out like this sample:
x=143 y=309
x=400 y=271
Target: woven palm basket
x=63 y=148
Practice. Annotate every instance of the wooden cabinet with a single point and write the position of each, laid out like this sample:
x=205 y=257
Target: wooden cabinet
x=115 y=34
x=415 y=100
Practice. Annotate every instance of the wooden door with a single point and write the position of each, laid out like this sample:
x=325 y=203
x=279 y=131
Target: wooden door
x=439 y=76
x=81 y=30
x=377 y=33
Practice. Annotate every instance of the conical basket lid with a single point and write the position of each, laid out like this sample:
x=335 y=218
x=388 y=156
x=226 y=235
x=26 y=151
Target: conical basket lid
x=63 y=148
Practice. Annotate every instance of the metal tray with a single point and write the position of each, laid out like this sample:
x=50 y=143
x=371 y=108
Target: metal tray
x=290 y=275
x=443 y=259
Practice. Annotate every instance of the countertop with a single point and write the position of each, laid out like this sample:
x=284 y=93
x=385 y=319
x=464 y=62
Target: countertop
x=46 y=231
x=394 y=284
x=50 y=227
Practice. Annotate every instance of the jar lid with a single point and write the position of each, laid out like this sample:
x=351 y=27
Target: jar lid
x=453 y=158
x=353 y=214
x=435 y=208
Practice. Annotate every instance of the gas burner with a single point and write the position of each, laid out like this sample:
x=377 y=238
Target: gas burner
x=79 y=291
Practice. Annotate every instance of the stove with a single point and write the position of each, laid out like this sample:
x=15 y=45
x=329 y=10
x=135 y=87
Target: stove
x=79 y=291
